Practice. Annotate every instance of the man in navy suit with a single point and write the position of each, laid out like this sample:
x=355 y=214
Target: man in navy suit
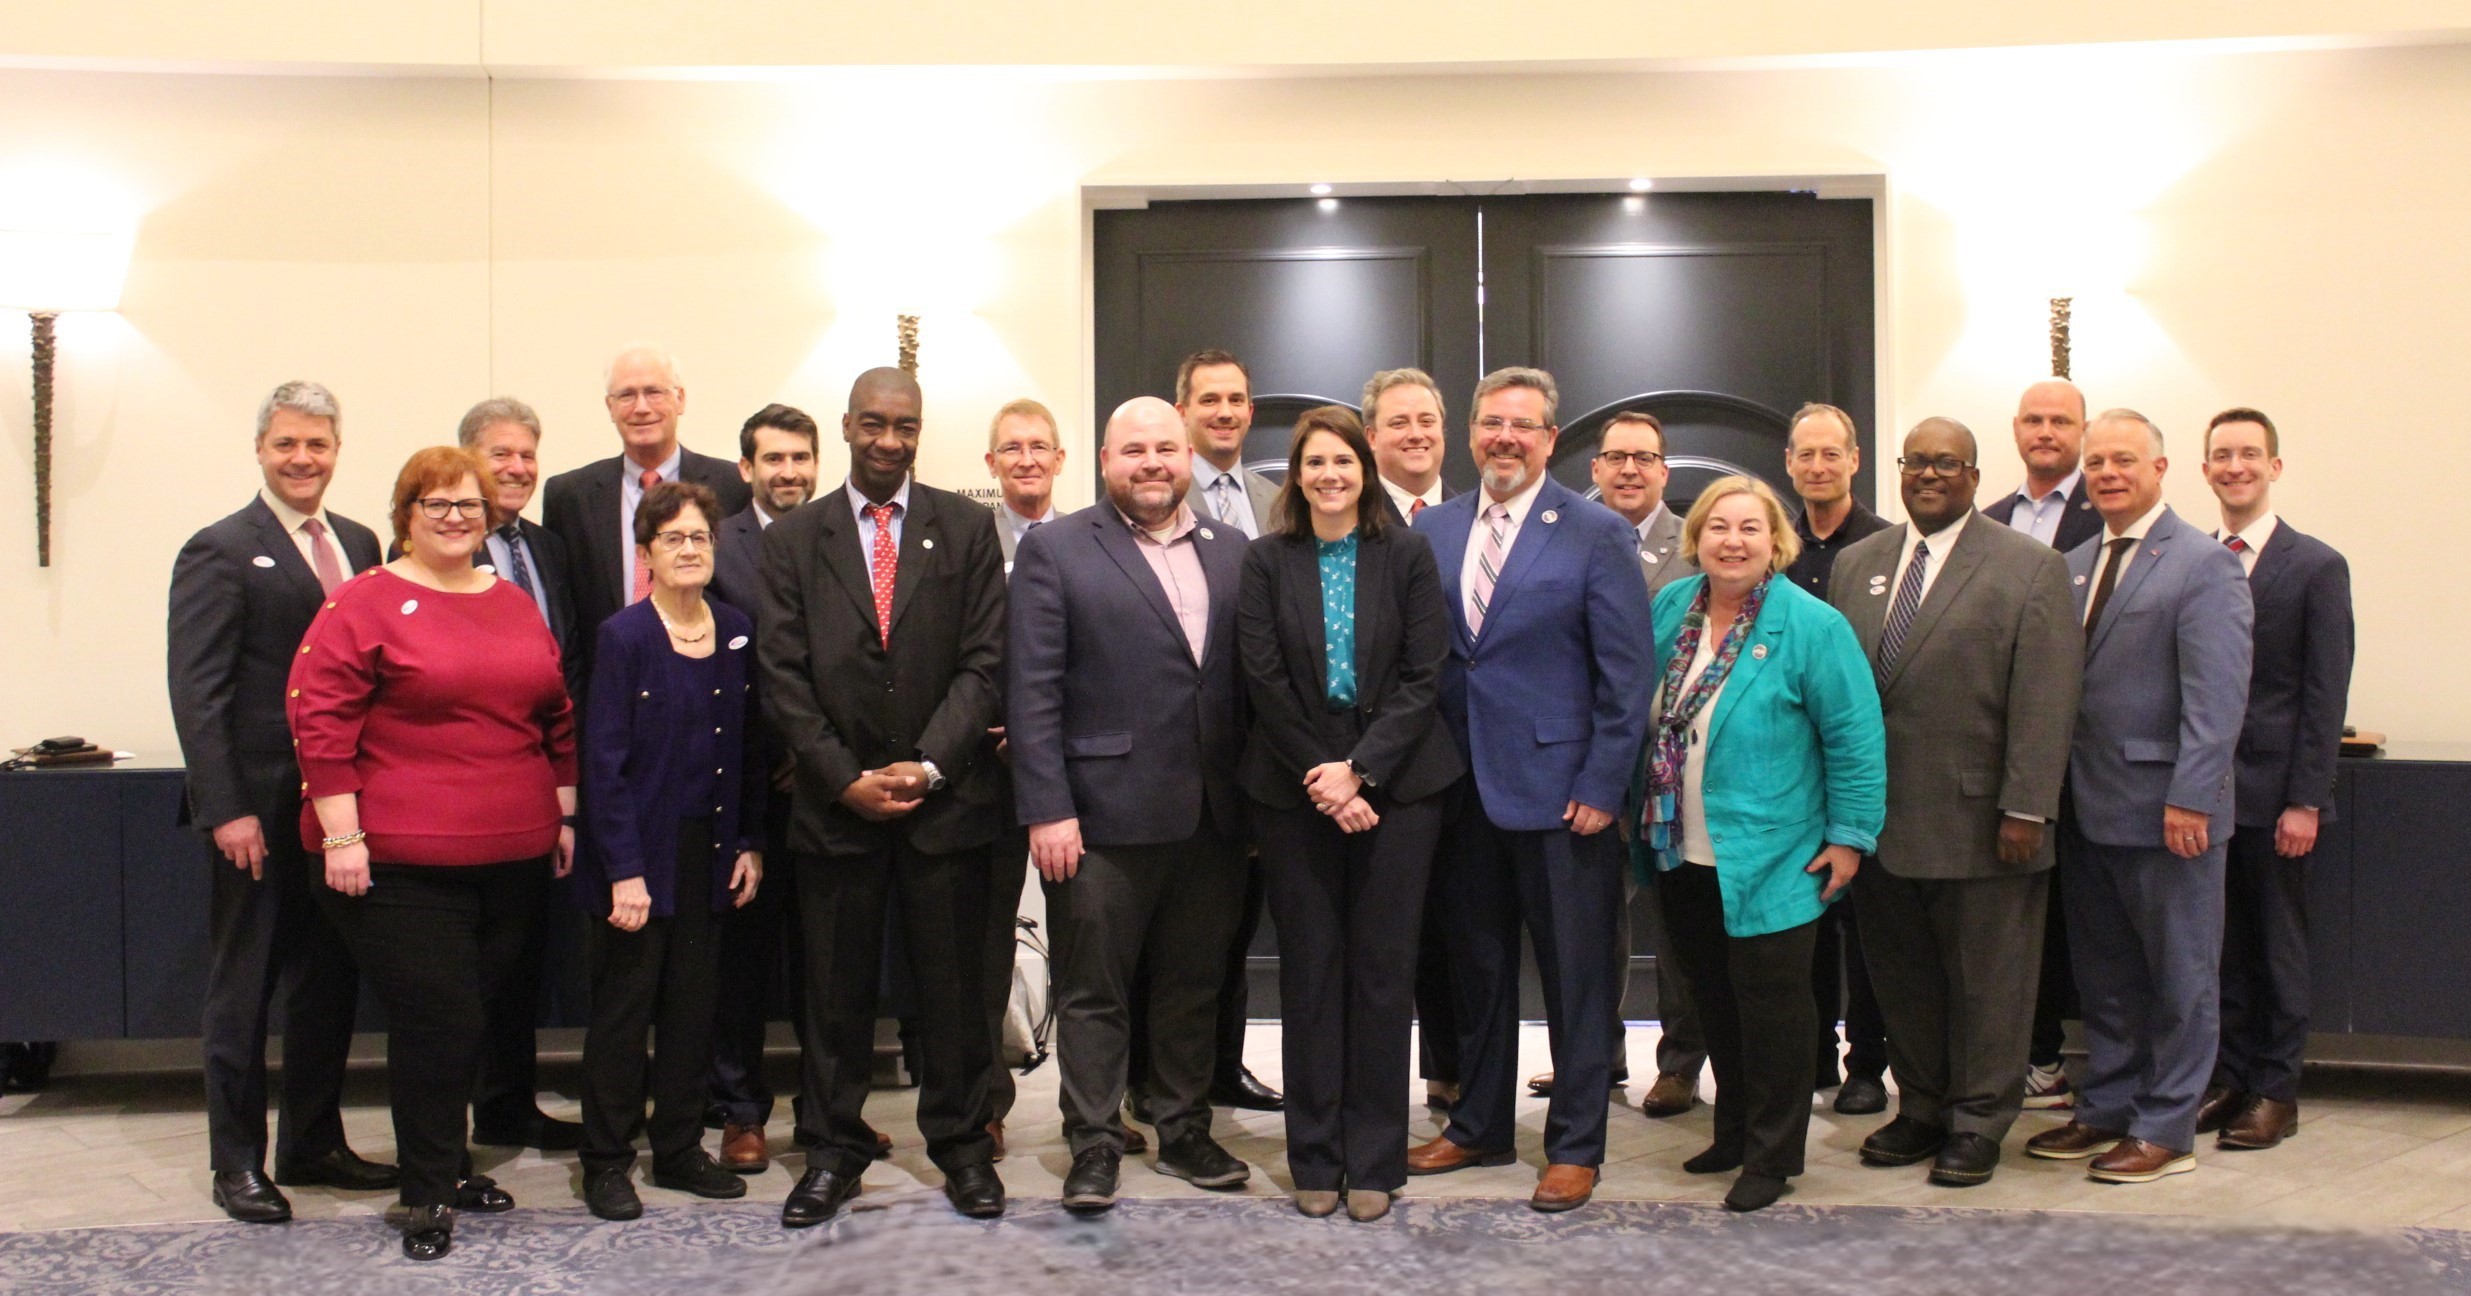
x=2052 y=507
x=1547 y=690
x=2148 y=814
x=2296 y=689
x=1124 y=712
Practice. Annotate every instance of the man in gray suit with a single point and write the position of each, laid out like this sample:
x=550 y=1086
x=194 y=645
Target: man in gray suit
x=1971 y=629
x=1125 y=711
x=1024 y=456
x=2167 y=617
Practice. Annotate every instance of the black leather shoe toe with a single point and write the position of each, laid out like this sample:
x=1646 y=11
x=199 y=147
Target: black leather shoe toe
x=481 y=1195
x=699 y=1174
x=1199 y=1160
x=819 y=1196
x=540 y=1131
x=1091 y=1184
x=429 y=1233
x=1244 y=1089
x=341 y=1168
x=1861 y=1095
x=1903 y=1141
x=975 y=1191
x=1967 y=1160
x=248 y=1196
x=609 y=1193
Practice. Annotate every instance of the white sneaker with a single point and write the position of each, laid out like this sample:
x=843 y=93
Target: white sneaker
x=2046 y=1089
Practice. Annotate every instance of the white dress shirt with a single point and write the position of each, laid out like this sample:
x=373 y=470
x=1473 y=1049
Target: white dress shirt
x=858 y=506
x=630 y=495
x=293 y=520
x=1519 y=505
x=1697 y=847
x=2136 y=531
x=1406 y=499
x=1941 y=542
x=502 y=562
x=2254 y=535
x=2039 y=517
x=1229 y=503
x=1018 y=526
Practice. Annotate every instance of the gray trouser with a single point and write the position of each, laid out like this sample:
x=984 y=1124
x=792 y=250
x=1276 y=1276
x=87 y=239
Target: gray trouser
x=1956 y=962
x=2145 y=927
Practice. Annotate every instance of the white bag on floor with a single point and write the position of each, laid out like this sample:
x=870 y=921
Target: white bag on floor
x=1029 y=1015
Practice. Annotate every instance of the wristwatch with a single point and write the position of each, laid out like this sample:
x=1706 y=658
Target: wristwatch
x=935 y=777
x=1362 y=775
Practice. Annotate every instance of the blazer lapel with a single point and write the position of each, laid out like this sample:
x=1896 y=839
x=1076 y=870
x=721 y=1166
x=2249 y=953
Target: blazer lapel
x=1304 y=597
x=842 y=557
x=286 y=553
x=1373 y=616
x=2149 y=554
x=1768 y=635
x=1956 y=568
x=602 y=509
x=1536 y=534
x=1869 y=615
x=1448 y=535
x=2272 y=560
x=1117 y=540
x=920 y=532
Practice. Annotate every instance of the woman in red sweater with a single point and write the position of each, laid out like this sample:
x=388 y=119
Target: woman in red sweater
x=437 y=750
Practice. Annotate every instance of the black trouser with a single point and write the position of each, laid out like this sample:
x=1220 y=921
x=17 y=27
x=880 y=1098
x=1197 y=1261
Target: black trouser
x=435 y=942
x=267 y=937
x=1753 y=996
x=1175 y=907
x=1681 y=1044
x=758 y=951
x=2264 y=967
x=508 y=1095
x=2054 y=999
x=1007 y=866
x=1955 y=960
x=1234 y=992
x=1564 y=888
x=1437 y=1005
x=1348 y=908
x=1838 y=975
x=941 y=904
x=661 y=977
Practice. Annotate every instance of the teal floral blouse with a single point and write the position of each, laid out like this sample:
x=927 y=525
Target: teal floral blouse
x=1338 y=618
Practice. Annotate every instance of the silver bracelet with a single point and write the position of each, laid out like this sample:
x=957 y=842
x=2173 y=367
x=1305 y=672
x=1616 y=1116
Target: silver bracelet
x=352 y=838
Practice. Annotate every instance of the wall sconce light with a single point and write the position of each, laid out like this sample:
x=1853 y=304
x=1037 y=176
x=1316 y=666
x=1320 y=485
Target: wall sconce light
x=45 y=272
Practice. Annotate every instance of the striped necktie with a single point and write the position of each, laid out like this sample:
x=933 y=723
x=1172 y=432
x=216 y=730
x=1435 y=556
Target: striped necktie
x=1488 y=566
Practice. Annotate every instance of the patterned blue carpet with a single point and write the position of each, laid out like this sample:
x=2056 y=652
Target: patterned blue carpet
x=911 y=1244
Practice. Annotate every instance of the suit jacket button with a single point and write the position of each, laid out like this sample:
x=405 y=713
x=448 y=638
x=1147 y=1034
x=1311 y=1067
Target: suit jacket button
x=718 y=810
x=645 y=694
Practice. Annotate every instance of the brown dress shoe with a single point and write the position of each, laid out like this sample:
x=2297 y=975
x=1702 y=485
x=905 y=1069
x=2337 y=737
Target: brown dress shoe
x=2137 y=1161
x=1671 y=1095
x=2263 y=1123
x=2217 y=1107
x=1564 y=1187
x=1135 y=1142
x=1441 y=1156
x=743 y=1150
x=1541 y=1084
x=2072 y=1141
x=883 y=1146
x=995 y=1130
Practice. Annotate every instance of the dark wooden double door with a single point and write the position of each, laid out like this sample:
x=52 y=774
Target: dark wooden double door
x=1720 y=313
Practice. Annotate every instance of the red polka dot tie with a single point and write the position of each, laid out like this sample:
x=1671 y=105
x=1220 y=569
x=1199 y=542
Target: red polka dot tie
x=883 y=560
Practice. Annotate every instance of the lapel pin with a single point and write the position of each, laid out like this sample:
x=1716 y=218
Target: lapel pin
x=1758 y=652
x=1878 y=591
x=262 y=561
x=2080 y=580
x=928 y=543
x=1651 y=559
x=1205 y=534
x=737 y=643
x=411 y=606
x=1551 y=516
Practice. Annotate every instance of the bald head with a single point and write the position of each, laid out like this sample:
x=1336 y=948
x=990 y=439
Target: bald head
x=882 y=381
x=1146 y=461
x=1941 y=431
x=882 y=427
x=2050 y=432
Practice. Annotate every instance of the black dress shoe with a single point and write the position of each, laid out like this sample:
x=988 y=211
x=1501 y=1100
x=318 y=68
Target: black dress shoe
x=1243 y=1089
x=429 y=1232
x=1717 y=1159
x=1754 y=1191
x=341 y=1168
x=251 y=1198
x=1091 y=1184
x=609 y=1193
x=975 y=1191
x=819 y=1196
x=1861 y=1096
x=1967 y=1160
x=539 y=1130
x=1200 y=1161
x=696 y=1172
x=1903 y=1141
x=481 y=1195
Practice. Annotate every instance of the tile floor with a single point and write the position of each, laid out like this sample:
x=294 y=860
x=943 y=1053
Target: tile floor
x=2377 y=1148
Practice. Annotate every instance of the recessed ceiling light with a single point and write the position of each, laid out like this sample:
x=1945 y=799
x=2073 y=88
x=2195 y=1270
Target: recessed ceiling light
x=1328 y=204
x=1642 y=185
x=1320 y=189
x=1634 y=203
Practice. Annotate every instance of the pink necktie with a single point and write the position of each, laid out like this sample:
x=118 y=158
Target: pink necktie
x=1488 y=567
x=884 y=558
x=1413 y=508
x=2237 y=545
x=322 y=556
x=643 y=570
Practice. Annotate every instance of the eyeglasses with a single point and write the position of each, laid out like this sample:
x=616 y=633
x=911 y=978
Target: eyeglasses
x=1495 y=423
x=1014 y=450
x=673 y=541
x=436 y=509
x=1620 y=459
x=630 y=395
x=1944 y=465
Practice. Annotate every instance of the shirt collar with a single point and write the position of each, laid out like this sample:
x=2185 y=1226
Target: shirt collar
x=290 y=517
x=668 y=469
x=1852 y=523
x=2061 y=492
x=1206 y=473
x=2140 y=528
x=1518 y=504
x=1406 y=499
x=763 y=516
x=2255 y=534
x=1941 y=540
x=859 y=503
x=1652 y=520
x=1182 y=526
x=1016 y=524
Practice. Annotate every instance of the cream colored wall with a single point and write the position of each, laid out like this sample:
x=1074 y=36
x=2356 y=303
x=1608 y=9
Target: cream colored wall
x=2278 y=229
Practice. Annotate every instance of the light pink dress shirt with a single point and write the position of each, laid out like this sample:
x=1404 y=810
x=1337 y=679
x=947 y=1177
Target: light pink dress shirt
x=1176 y=561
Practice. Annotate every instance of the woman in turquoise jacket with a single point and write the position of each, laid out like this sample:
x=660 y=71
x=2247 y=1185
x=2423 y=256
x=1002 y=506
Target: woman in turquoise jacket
x=1763 y=783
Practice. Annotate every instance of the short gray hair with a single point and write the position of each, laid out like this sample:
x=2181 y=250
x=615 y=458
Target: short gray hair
x=496 y=409
x=1535 y=380
x=2125 y=415
x=1389 y=378
x=301 y=396
x=667 y=362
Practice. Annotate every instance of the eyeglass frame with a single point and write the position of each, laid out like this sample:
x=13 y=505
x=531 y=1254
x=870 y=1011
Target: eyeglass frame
x=673 y=541
x=1623 y=458
x=1936 y=463
x=470 y=509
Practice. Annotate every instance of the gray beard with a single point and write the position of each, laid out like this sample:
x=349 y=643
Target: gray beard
x=1506 y=489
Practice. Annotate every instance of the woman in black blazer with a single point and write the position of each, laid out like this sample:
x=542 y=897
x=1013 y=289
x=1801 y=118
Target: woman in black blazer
x=673 y=818
x=1343 y=630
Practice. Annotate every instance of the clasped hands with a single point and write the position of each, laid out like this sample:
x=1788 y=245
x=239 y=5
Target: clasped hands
x=1339 y=793
x=888 y=793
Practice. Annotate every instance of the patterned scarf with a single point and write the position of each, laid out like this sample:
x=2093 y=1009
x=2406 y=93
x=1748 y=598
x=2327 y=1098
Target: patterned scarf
x=1669 y=747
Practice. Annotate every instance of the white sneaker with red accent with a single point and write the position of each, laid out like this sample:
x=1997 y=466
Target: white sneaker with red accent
x=2046 y=1089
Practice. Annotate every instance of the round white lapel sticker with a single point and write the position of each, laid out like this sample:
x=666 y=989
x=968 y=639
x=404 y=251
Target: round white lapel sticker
x=1551 y=516
x=261 y=561
x=1205 y=534
x=1758 y=652
x=411 y=606
x=926 y=544
x=739 y=642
